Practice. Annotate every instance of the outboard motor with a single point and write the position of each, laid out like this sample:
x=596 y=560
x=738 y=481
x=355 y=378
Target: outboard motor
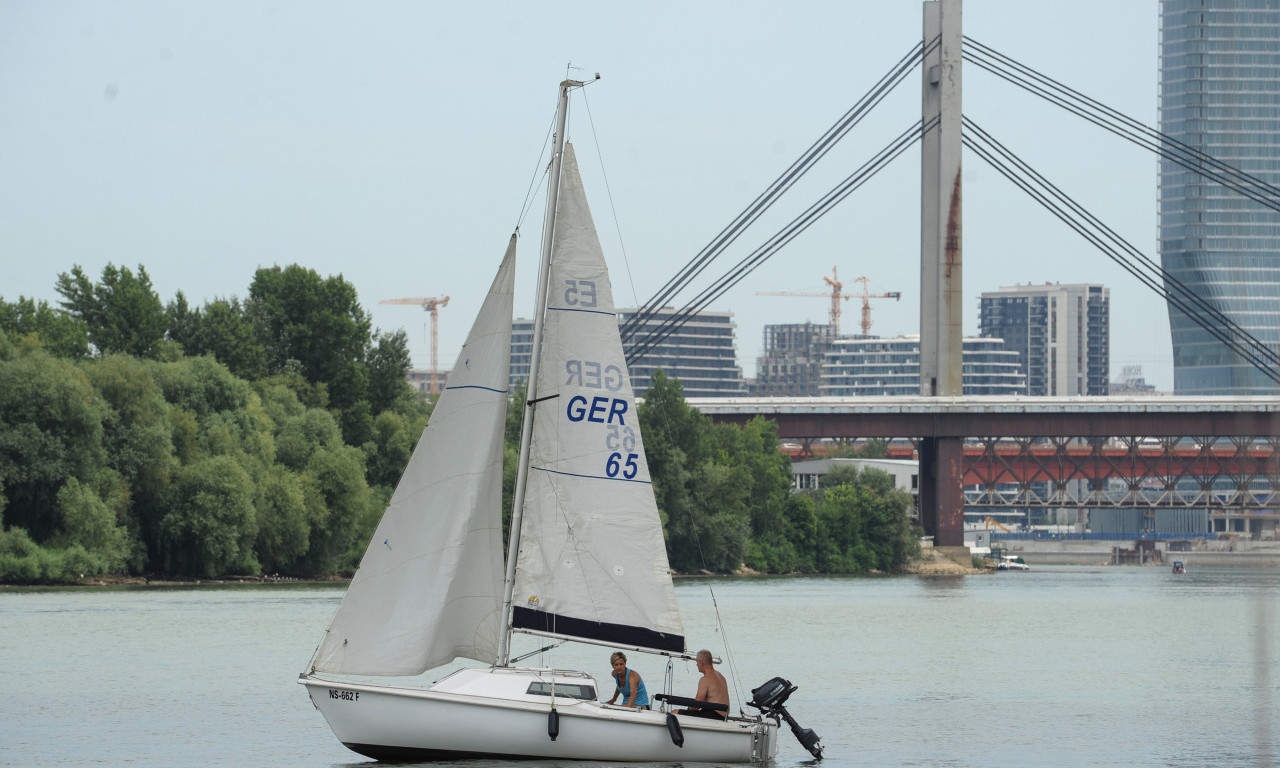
x=769 y=699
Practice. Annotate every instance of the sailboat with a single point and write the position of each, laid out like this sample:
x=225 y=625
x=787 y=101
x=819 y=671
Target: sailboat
x=587 y=559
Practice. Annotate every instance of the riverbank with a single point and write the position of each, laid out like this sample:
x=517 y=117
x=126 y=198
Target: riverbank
x=1242 y=553
x=131 y=582
x=933 y=561
x=942 y=561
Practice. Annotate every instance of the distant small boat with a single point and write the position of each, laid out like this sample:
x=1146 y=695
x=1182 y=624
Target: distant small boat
x=1179 y=567
x=1011 y=563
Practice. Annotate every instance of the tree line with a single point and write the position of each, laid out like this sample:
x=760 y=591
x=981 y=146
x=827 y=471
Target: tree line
x=266 y=436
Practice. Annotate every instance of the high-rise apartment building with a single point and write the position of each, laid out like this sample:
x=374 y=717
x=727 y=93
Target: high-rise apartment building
x=1060 y=332
x=791 y=365
x=701 y=353
x=866 y=367
x=1220 y=94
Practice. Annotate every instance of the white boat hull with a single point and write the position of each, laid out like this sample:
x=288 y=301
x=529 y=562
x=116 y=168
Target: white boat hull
x=469 y=718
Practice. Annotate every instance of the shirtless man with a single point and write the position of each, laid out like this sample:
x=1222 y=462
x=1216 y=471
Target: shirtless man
x=712 y=687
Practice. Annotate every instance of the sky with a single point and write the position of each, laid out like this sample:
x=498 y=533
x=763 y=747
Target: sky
x=399 y=144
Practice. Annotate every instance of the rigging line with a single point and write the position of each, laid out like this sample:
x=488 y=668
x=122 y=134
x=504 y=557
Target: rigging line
x=1230 y=340
x=798 y=225
x=771 y=246
x=528 y=195
x=1120 y=116
x=766 y=199
x=1208 y=308
x=1162 y=144
x=609 y=192
x=728 y=652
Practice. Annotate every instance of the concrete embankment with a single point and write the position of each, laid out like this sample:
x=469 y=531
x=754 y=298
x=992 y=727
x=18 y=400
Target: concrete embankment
x=1241 y=553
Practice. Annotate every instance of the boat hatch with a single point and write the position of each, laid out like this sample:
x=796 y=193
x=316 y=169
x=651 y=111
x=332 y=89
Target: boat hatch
x=563 y=690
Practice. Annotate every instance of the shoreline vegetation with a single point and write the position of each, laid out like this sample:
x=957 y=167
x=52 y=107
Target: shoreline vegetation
x=929 y=563
x=144 y=442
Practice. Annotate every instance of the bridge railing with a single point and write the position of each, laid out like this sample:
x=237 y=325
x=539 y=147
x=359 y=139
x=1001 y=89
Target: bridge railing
x=1089 y=536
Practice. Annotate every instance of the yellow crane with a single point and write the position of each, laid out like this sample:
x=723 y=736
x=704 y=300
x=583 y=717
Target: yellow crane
x=837 y=295
x=992 y=521
x=432 y=306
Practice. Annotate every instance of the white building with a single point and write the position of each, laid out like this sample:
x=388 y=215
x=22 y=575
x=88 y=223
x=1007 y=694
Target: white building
x=863 y=367
x=1060 y=332
x=701 y=353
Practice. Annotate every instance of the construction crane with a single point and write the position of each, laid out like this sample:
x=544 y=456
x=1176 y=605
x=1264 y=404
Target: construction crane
x=837 y=295
x=432 y=306
x=992 y=521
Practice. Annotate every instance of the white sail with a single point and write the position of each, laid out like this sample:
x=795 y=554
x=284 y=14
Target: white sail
x=592 y=562
x=429 y=588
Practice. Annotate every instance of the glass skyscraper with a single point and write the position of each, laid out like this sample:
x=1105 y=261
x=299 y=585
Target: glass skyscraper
x=1220 y=94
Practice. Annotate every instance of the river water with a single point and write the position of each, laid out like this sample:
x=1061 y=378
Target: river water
x=1059 y=666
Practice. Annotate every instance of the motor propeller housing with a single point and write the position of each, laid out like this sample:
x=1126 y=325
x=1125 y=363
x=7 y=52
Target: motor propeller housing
x=769 y=699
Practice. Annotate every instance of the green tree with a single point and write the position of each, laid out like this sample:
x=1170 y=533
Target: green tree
x=222 y=329
x=201 y=386
x=184 y=324
x=316 y=321
x=298 y=438
x=389 y=363
x=863 y=522
x=50 y=431
x=137 y=433
x=673 y=446
x=91 y=524
x=760 y=467
x=338 y=502
x=387 y=453
x=122 y=311
x=283 y=525
x=58 y=333
x=210 y=526
x=22 y=561
x=723 y=490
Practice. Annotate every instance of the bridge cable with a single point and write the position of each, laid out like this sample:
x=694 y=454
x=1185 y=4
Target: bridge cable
x=1241 y=342
x=1177 y=286
x=1237 y=339
x=780 y=185
x=1116 y=122
x=670 y=324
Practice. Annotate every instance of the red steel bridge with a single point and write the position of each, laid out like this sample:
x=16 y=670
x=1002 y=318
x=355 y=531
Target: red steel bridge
x=1130 y=451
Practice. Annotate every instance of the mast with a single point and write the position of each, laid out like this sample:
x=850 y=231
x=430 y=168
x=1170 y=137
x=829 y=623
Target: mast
x=531 y=393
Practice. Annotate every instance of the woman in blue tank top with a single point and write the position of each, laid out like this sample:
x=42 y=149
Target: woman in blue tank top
x=628 y=683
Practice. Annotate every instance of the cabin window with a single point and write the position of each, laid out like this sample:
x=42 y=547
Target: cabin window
x=564 y=690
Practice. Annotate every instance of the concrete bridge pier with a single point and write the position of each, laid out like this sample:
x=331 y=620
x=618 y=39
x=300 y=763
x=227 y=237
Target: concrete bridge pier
x=941 y=284
x=942 y=490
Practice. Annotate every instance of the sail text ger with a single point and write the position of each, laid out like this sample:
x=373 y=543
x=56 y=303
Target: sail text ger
x=591 y=375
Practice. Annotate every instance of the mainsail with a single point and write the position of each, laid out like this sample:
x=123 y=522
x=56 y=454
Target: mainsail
x=429 y=588
x=592 y=562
